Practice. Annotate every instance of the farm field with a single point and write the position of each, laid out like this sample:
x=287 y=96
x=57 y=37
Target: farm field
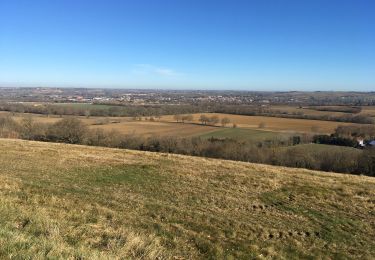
x=54 y=118
x=305 y=110
x=41 y=118
x=274 y=123
x=369 y=110
x=148 y=128
x=70 y=201
x=244 y=134
x=366 y=111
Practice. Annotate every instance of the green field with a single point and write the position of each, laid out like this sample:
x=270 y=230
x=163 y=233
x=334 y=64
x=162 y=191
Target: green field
x=84 y=105
x=244 y=134
x=78 y=202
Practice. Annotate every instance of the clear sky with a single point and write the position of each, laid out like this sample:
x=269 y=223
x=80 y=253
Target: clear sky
x=189 y=44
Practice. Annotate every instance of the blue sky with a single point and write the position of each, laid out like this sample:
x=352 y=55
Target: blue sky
x=189 y=44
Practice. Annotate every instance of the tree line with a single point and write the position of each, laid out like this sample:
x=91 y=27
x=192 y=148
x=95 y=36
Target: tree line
x=348 y=136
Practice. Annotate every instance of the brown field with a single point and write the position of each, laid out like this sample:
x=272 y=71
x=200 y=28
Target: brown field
x=275 y=123
x=147 y=128
x=53 y=118
x=369 y=110
x=366 y=110
x=60 y=201
x=306 y=111
x=40 y=118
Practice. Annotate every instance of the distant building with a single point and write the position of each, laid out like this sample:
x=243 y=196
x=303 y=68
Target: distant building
x=361 y=142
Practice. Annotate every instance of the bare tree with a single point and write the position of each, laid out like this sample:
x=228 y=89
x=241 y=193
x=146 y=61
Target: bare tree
x=187 y=118
x=203 y=119
x=225 y=121
x=178 y=118
x=214 y=120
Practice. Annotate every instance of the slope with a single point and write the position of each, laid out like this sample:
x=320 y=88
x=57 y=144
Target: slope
x=69 y=201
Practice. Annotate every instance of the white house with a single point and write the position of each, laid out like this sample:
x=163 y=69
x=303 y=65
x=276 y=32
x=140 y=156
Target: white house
x=361 y=142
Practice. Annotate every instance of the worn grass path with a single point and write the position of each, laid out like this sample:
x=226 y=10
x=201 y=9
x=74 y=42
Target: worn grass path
x=68 y=201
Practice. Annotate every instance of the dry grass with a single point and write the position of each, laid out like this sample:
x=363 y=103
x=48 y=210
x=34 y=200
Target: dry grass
x=369 y=111
x=148 y=128
x=275 y=123
x=366 y=110
x=305 y=110
x=54 y=118
x=67 y=201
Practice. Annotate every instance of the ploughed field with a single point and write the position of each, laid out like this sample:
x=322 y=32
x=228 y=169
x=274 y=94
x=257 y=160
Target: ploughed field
x=70 y=201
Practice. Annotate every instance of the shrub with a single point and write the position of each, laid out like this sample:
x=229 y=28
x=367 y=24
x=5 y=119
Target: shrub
x=334 y=140
x=67 y=130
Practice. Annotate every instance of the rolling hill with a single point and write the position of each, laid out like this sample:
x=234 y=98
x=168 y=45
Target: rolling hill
x=80 y=202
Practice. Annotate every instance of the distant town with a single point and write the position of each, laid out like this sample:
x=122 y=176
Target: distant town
x=144 y=97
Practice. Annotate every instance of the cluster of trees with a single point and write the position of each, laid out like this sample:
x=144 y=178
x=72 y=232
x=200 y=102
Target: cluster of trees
x=67 y=130
x=364 y=131
x=207 y=120
x=335 y=140
x=347 y=135
x=183 y=118
x=72 y=130
x=204 y=119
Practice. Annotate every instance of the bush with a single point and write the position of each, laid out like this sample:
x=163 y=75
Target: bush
x=334 y=140
x=366 y=162
x=68 y=130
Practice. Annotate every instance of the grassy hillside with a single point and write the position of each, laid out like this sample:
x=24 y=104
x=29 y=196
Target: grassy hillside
x=69 y=201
